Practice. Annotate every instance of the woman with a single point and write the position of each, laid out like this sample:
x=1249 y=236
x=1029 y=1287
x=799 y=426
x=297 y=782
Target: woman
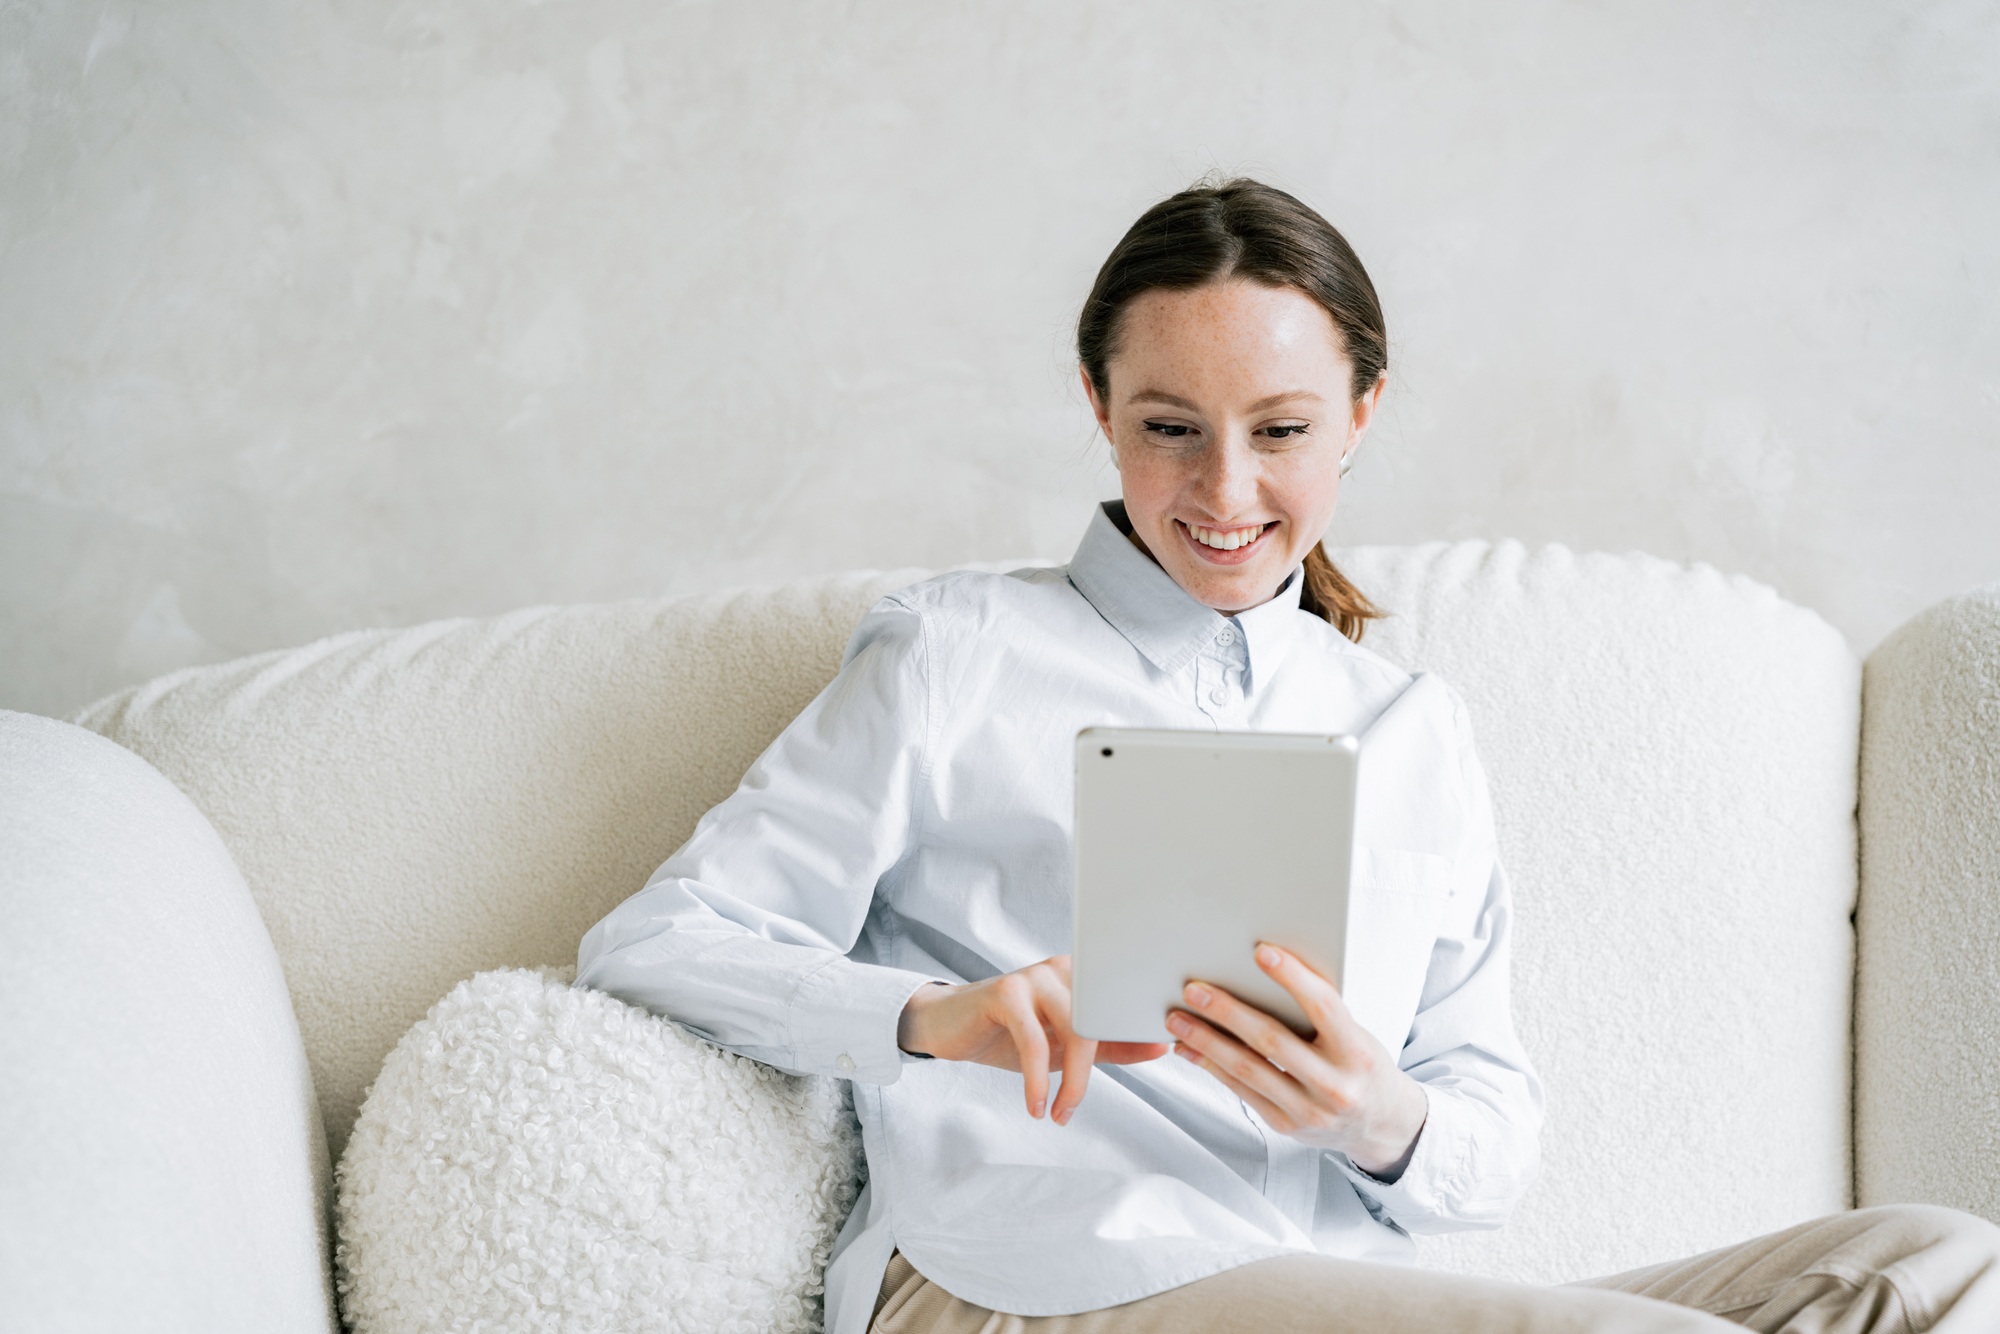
x=885 y=898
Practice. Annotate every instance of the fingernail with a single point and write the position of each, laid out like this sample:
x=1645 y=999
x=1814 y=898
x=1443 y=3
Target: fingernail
x=1040 y=1107
x=1268 y=956
x=1187 y=1054
x=1063 y=1116
x=1198 y=994
x=1178 y=1023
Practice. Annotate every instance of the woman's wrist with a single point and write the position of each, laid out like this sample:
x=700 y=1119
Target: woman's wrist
x=1388 y=1152
x=910 y=1029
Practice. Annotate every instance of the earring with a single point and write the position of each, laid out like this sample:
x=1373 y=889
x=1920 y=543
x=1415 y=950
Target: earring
x=1346 y=463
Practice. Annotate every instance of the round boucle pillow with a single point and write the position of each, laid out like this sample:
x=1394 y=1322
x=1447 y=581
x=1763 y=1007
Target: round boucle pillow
x=538 y=1157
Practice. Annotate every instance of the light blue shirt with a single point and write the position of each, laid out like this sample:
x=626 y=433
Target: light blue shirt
x=913 y=824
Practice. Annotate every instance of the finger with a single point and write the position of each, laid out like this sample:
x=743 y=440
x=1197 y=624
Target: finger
x=1131 y=1053
x=1221 y=1054
x=1078 y=1054
x=1077 y=1057
x=1258 y=1031
x=1274 y=1116
x=1031 y=1047
x=1319 y=998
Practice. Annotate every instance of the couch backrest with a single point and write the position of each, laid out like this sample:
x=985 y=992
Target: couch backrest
x=412 y=806
x=1672 y=754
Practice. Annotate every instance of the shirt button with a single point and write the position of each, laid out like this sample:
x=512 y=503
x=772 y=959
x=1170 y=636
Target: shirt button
x=846 y=1064
x=1226 y=637
x=1218 y=695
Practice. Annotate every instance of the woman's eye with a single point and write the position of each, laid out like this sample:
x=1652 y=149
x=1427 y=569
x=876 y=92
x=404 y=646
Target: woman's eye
x=1171 y=430
x=1286 y=432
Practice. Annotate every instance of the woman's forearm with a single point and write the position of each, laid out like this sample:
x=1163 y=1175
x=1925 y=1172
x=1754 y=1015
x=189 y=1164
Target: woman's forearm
x=799 y=1007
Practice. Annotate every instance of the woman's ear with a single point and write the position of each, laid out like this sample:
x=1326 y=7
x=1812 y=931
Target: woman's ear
x=1097 y=408
x=1099 y=411
x=1364 y=413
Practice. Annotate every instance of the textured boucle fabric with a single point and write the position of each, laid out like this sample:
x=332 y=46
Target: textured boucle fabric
x=410 y=807
x=1672 y=759
x=1927 y=1093
x=539 y=1157
x=161 y=1161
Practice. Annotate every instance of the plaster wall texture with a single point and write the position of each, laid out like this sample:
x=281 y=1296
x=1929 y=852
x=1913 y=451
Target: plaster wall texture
x=322 y=316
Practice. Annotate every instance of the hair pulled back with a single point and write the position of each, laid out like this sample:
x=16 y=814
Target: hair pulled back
x=1246 y=229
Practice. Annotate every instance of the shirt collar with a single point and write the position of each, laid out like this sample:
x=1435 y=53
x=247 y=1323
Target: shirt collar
x=1269 y=627
x=1143 y=603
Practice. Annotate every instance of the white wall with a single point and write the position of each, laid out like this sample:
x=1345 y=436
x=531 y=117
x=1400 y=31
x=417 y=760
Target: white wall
x=315 y=317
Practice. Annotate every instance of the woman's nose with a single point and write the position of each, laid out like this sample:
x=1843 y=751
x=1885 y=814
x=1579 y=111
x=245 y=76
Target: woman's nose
x=1227 y=482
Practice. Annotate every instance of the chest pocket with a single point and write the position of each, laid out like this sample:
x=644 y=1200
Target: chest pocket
x=1396 y=904
x=1410 y=814
x=1397 y=871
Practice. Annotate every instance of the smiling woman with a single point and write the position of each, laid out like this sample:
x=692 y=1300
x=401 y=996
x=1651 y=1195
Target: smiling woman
x=1234 y=351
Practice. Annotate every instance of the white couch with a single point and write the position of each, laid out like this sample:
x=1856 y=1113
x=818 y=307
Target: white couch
x=1676 y=757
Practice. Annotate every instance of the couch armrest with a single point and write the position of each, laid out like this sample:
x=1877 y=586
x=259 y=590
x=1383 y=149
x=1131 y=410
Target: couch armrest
x=162 y=1164
x=1927 y=1004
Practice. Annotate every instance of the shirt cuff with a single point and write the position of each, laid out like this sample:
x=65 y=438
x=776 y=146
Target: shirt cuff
x=844 y=1016
x=1436 y=1175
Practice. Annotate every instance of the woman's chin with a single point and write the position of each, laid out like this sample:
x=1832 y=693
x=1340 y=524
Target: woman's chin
x=1228 y=588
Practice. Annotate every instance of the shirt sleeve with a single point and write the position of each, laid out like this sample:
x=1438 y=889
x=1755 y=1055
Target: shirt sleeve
x=1479 y=1148
x=743 y=936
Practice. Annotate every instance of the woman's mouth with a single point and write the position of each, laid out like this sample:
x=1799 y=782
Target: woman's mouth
x=1224 y=546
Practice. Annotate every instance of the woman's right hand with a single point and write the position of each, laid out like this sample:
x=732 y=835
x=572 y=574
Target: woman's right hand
x=1016 y=1021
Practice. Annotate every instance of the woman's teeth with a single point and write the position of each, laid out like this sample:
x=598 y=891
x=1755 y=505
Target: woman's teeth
x=1227 y=539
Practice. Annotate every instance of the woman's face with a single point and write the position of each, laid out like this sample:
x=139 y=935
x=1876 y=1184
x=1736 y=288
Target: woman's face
x=1229 y=414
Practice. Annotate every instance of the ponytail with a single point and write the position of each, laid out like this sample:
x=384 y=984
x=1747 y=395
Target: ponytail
x=1328 y=594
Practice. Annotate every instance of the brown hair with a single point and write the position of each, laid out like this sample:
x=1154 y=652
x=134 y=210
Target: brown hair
x=1246 y=229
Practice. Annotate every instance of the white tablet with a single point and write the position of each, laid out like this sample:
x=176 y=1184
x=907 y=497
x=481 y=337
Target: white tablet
x=1191 y=847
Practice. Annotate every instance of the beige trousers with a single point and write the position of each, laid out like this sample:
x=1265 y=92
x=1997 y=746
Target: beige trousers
x=1873 y=1271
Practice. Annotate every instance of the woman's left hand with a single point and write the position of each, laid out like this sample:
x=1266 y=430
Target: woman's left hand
x=1340 y=1091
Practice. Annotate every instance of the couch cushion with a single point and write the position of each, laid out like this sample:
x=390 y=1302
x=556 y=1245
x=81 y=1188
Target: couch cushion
x=161 y=1161
x=1927 y=1100
x=534 y=1156
x=1673 y=762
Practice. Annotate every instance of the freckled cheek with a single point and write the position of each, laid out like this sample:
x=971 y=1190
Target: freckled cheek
x=1151 y=484
x=1307 y=491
